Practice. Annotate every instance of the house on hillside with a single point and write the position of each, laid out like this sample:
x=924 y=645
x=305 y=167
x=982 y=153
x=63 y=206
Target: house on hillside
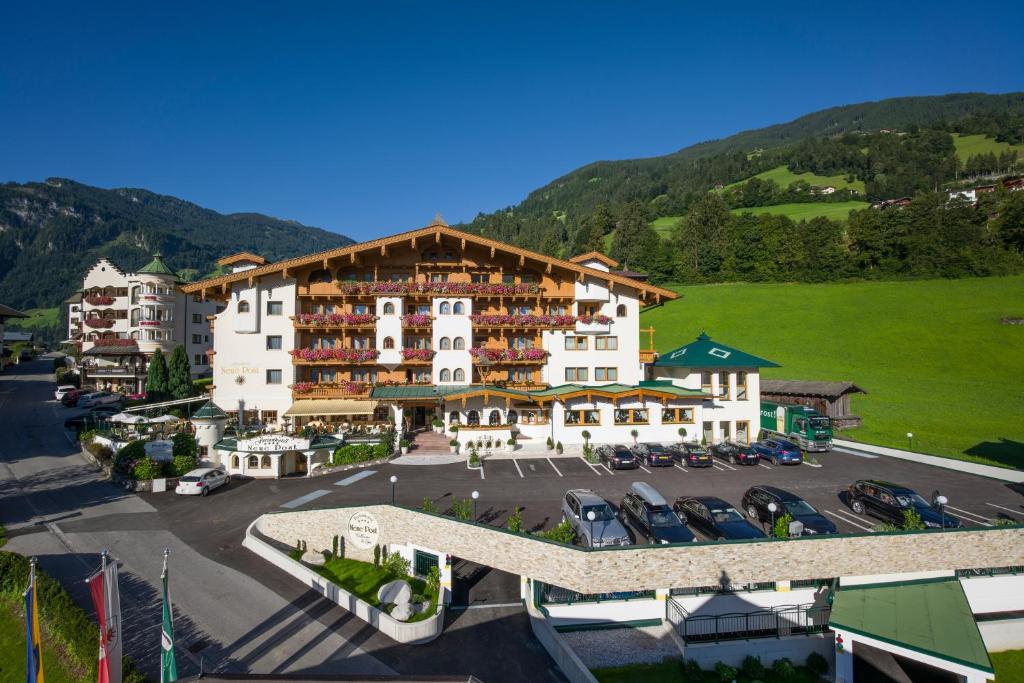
x=891 y=203
x=828 y=398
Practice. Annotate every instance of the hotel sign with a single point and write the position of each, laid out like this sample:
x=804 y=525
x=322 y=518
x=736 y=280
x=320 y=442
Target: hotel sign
x=363 y=530
x=273 y=442
x=239 y=370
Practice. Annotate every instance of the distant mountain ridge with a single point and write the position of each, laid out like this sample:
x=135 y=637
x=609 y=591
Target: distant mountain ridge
x=51 y=232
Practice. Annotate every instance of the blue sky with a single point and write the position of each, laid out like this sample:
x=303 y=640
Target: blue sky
x=368 y=118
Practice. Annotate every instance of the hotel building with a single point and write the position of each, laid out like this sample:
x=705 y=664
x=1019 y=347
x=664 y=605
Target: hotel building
x=439 y=324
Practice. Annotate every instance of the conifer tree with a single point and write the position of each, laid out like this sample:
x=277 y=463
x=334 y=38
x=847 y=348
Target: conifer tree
x=179 y=383
x=156 y=379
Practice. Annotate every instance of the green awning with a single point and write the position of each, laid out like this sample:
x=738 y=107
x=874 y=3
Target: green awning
x=707 y=353
x=415 y=391
x=931 y=616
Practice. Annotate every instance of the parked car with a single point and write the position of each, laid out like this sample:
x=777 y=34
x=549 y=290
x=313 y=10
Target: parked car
x=70 y=399
x=98 y=398
x=650 y=516
x=79 y=424
x=778 y=451
x=737 y=454
x=691 y=454
x=653 y=454
x=888 y=501
x=104 y=412
x=63 y=390
x=603 y=530
x=200 y=482
x=715 y=518
x=141 y=396
x=756 y=499
x=617 y=457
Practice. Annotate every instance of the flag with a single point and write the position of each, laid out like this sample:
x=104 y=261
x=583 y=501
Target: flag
x=168 y=669
x=33 y=643
x=99 y=603
x=107 y=602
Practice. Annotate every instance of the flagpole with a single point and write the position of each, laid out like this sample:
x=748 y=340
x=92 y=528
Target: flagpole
x=33 y=644
x=168 y=667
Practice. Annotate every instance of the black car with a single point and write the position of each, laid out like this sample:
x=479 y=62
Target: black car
x=757 y=498
x=888 y=502
x=644 y=509
x=690 y=454
x=737 y=454
x=79 y=424
x=715 y=518
x=617 y=457
x=653 y=455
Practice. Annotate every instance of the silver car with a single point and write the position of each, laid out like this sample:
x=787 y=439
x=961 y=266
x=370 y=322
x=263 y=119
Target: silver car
x=601 y=531
x=200 y=482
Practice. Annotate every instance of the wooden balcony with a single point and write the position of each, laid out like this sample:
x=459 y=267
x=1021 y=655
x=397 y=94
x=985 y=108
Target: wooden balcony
x=316 y=327
x=328 y=391
x=648 y=355
x=334 y=361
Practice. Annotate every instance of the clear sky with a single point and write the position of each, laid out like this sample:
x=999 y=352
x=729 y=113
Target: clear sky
x=368 y=118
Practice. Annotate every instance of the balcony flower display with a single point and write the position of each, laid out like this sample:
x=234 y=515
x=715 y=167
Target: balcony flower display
x=351 y=388
x=443 y=288
x=333 y=319
x=347 y=355
x=98 y=300
x=115 y=342
x=99 y=323
x=416 y=320
x=496 y=355
x=501 y=320
x=594 y=319
x=417 y=354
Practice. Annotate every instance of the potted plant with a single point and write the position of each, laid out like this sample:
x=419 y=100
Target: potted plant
x=438 y=425
x=404 y=445
x=682 y=434
x=586 y=437
x=558 y=448
x=551 y=444
x=454 y=429
x=634 y=433
x=511 y=443
x=454 y=445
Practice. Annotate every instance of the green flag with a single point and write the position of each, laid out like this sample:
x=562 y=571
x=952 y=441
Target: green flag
x=168 y=669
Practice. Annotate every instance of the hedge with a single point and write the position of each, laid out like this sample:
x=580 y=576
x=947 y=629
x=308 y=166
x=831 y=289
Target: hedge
x=64 y=621
x=353 y=453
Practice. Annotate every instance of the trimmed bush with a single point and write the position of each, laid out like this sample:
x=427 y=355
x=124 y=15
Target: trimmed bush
x=358 y=452
x=184 y=444
x=753 y=669
x=183 y=464
x=816 y=664
x=784 y=669
x=147 y=469
x=725 y=673
x=396 y=565
x=562 y=532
x=128 y=456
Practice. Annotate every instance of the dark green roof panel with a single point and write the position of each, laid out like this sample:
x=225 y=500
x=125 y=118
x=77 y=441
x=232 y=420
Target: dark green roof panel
x=209 y=411
x=156 y=267
x=707 y=353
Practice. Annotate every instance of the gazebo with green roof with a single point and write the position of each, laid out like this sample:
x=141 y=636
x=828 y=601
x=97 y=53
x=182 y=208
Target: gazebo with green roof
x=156 y=267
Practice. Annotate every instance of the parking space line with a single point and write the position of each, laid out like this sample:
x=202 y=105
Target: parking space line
x=553 y=467
x=1016 y=512
x=482 y=470
x=590 y=466
x=984 y=521
x=516 y=463
x=849 y=521
x=727 y=466
x=302 y=500
x=355 y=477
x=679 y=467
x=605 y=468
x=764 y=466
x=644 y=469
x=715 y=465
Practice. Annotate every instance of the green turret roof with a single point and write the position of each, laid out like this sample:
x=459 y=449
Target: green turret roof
x=157 y=267
x=209 y=411
x=707 y=353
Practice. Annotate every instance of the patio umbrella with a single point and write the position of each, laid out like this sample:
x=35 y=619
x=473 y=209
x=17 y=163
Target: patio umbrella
x=128 y=418
x=164 y=419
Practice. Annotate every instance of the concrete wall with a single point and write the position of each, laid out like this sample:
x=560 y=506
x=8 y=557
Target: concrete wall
x=643 y=568
x=767 y=650
x=1004 y=593
x=1004 y=634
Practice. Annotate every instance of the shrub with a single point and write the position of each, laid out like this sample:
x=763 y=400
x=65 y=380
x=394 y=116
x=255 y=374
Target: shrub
x=428 y=505
x=396 y=565
x=551 y=444
x=515 y=520
x=379 y=451
x=562 y=533
x=100 y=451
x=404 y=443
x=86 y=437
x=474 y=458
x=752 y=668
x=435 y=423
x=781 y=529
x=147 y=469
x=692 y=672
x=510 y=442
x=183 y=464
x=353 y=453
x=434 y=579
x=912 y=520
x=184 y=444
x=784 y=669
x=588 y=453
x=454 y=443
x=816 y=664
x=462 y=508
x=334 y=545
x=586 y=435
x=725 y=673
x=376 y=555
x=558 y=448
x=128 y=455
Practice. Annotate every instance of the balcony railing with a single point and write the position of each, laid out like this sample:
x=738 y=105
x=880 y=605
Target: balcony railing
x=114 y=372
x=485 y=356
x=648 y=355
x=334 y=320
x=319 y=356
x=414 y=321
x=302 y=390
x=350 y=288
x=772 y=622
x=156 y=298
x=492 y=321
x=99 y=323
x=98 y=300
x=413 y=356
x=154 y=323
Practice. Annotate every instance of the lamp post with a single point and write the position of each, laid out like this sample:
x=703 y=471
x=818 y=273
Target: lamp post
x=772 y=508
x=394 y=480
x=474 y=496
x=910 y=441
x=591 y=516
x=941 y=502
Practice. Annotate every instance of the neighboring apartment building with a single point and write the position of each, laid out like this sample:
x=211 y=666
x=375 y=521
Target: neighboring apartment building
x=439 y=323
x=124 y=317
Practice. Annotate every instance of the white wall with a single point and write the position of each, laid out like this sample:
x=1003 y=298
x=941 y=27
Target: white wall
x=719 y=410
x=1003 y=593
x=389 y=326
x=452 y=326
x=1004 y=634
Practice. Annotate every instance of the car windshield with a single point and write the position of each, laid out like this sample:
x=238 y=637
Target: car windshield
x=697 y=450
x=909 y=499
x=789 y=446
x=655 y=448
x=724 y=515
x=602 y=513
x=799 y=507
x=188 y=478
x=820 y=422
x=663 y=518
x=623 y=454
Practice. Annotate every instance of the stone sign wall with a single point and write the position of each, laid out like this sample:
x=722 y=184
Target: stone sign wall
x=645 y=568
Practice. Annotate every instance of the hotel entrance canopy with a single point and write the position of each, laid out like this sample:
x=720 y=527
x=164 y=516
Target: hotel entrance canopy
x=331 y=406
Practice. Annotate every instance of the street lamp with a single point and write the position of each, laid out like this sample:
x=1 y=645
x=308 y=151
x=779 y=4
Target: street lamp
x=910 y=441
x=591 y=516
x=394 y=480
x=474 y=495
x=941 y=502
x=773 y=508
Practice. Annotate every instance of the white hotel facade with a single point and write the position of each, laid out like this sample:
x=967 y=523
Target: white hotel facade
x=437 y=323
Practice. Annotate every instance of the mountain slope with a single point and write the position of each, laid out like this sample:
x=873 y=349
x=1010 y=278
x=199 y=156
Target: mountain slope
x=51 y=232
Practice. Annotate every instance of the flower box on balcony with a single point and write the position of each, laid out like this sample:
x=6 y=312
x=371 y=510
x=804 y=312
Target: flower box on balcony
x=417 y=354
x=343 y=355
x=416 y=320
x=98 y=300
x=334 y=319
x=99 y=323
x=326 y=390
x=152 y=323
x=507 y=355
x=352 y=287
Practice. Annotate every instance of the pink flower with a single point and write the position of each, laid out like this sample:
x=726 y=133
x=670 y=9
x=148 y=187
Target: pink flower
x=417 y=354
x=416 y=320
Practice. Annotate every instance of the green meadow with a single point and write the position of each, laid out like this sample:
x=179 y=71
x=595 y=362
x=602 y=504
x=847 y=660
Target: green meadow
x=837 y=211
x=783 y=177
x=971 y=145
x=932 y=354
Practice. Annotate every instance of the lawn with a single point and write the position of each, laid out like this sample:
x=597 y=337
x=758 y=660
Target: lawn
x=837 y=211
x=970 y=145
x=12 y=648
x=673 y=671
x=1009 y=666
x=932 y=354
x=783 y=177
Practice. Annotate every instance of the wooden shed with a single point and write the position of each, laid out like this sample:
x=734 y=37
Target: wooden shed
x=828 y=398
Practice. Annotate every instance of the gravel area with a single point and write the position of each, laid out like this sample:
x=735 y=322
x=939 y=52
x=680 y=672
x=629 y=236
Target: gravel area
x=615 y=647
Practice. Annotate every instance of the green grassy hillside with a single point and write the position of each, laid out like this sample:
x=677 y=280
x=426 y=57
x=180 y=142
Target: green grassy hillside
x=971 y=145
x=932 y=354
x=783 y=177
x=837 y=211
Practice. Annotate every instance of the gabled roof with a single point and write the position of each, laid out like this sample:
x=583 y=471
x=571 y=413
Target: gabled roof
x=707 y=353
x=797 y=387
x=595 y=256
x=435 y=230
x=8 y=312
x=242 y=257
x=209 y=411
x=156 y=267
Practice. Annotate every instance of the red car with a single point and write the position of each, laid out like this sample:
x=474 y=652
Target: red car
x=70 y=399
x=136 y=397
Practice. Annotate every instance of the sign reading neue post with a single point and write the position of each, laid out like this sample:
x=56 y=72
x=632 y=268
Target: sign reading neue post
x=273 y=442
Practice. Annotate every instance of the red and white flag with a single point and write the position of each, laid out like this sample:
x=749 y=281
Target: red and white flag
x=107 y=602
